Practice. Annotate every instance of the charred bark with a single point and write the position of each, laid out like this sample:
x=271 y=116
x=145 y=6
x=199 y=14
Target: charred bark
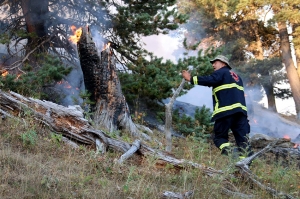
x=36 y=13
x=101 y=80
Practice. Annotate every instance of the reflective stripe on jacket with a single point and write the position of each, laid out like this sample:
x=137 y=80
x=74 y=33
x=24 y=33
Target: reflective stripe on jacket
x=228 y=92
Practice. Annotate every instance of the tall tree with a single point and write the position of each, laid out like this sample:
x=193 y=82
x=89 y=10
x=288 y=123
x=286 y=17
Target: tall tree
x=283 y=12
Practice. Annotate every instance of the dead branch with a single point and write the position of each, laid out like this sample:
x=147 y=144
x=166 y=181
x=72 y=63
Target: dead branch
x=169 y=108
x=5 y=114
x=169 y=194
x=20 y=62
x=243 y=166
x=134 y=147
x=235 y=194
x=69 y=142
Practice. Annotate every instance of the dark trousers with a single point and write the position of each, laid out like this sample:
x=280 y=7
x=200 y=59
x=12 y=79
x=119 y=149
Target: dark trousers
x=239 y=125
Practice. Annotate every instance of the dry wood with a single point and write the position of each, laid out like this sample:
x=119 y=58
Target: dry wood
x=70 y=143
x=135 y=146
x=243 y=166
x=168 y=112
x=170 y=194
x=235 y=194
x=70 y=122
x=20 y=62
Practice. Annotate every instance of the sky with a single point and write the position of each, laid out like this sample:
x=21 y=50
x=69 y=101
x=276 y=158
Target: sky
x=164 y=46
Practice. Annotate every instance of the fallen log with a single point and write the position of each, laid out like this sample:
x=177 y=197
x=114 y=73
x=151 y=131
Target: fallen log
x=69 y=121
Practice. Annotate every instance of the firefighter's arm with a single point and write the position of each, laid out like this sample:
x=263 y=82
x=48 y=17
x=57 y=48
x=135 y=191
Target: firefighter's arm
x=210 y=80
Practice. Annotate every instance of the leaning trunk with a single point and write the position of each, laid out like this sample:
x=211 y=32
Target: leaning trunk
x=286 y=57
x=101 y=81
x=297 y=50
x=297 y=53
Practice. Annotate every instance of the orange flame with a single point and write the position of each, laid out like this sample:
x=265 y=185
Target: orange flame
x=76 y=34
x=287 y=137
x=4 y=74
x=65 y=84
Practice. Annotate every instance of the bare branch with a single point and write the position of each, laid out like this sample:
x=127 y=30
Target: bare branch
x=244 y=169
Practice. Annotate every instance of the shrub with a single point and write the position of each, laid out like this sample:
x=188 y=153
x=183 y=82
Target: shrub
x=199 y=125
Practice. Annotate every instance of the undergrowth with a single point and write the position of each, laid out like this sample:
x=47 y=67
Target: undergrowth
x=35 y=163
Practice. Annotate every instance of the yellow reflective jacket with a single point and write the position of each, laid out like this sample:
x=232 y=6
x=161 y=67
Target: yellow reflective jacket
x=228 y=92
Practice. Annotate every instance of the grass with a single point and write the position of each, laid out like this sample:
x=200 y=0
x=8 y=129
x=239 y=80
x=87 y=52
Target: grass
x=34 y=163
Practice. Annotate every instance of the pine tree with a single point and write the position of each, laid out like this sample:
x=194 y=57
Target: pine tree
x=44 y=27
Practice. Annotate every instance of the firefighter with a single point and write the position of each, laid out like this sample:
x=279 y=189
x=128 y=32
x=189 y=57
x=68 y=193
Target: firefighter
x=229 y=106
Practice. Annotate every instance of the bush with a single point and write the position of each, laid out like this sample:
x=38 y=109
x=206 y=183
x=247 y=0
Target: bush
x=29 y=138
x=32 y=81
x=200 y=125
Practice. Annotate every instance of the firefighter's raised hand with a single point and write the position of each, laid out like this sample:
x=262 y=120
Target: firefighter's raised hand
x=186 y=75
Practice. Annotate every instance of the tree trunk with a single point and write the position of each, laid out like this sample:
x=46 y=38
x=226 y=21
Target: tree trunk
x=287 y=59
x=259 y=52
x=297 y=51
x=36 y=14
x=101 y=80
x=268 y=88
x=270 y=96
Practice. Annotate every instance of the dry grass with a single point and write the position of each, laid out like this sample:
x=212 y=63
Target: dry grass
x=44 y=167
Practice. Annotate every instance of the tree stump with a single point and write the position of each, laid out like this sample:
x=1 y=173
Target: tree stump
x=110 y=110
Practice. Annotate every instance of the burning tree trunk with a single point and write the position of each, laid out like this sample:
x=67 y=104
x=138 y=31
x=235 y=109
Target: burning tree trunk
x=101 y=80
